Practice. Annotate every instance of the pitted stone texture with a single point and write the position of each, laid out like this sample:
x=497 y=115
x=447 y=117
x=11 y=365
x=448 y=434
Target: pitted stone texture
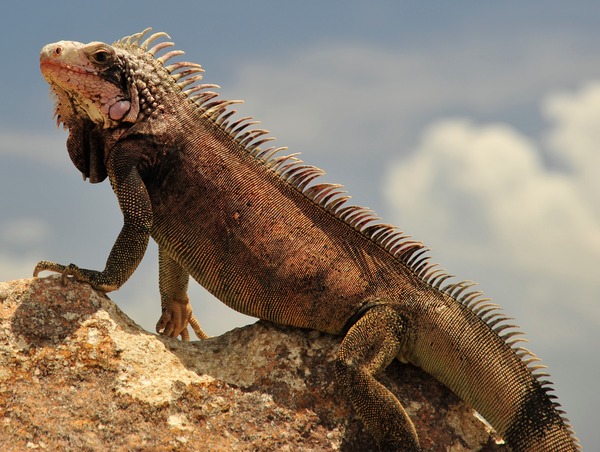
x=77 y=374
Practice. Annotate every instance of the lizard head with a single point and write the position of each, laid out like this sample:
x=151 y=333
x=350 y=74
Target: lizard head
x=103 y=89
x=92 y=94
x=90 y=83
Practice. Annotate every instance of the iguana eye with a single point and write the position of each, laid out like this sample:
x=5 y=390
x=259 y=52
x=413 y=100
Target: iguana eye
x=100 y=56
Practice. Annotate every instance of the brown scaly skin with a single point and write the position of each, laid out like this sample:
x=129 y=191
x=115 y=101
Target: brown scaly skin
x=255 y=230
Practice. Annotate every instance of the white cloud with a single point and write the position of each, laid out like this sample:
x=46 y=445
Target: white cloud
x=491 y=174
x=483 y=192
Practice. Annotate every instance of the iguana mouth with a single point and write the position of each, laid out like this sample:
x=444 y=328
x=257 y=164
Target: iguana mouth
x=62 y=75
x=49 y=63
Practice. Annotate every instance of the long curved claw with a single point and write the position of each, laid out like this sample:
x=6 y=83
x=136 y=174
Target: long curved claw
x=48 y=266
x=64 y=270
x=98 y=280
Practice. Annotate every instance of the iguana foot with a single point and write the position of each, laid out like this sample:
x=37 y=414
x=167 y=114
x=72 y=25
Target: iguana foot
x=65 y=270
x=176 y=315
x=92 y=277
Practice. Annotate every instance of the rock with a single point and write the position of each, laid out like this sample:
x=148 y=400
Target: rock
x=77 y=374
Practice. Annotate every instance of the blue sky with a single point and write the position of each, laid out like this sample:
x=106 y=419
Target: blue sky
x=472 y=126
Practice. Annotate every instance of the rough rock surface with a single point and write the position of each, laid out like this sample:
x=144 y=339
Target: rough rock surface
x=77 y=374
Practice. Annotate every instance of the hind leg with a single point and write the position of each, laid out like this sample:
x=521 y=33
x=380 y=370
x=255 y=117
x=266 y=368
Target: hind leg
x=369 y=347
x=176 y=308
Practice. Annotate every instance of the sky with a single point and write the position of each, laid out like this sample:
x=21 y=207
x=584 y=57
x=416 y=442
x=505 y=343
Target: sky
x=474 y=127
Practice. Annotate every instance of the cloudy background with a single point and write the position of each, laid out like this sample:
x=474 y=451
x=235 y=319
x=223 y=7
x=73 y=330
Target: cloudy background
x=474 y=128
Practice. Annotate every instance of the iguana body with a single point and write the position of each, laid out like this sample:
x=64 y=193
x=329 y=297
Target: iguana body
x=256 y=231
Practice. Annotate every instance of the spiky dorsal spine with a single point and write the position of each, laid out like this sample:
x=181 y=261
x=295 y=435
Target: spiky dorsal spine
x=333 y=198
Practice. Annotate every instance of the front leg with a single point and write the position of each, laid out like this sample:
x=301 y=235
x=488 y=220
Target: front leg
x=176 y=309
x=131 y=244
x=126 y=254
x=92 y=277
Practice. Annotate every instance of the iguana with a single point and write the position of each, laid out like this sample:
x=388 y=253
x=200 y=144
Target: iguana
x=259 y=231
